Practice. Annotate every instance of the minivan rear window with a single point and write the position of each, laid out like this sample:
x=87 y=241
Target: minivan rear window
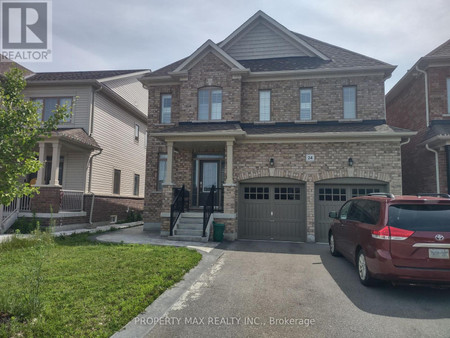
x=420 y=217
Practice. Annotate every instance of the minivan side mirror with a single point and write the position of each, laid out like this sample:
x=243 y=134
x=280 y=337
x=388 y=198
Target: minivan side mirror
x=333 y=214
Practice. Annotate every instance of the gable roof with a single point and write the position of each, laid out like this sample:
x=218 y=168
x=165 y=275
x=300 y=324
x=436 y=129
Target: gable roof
x=208 y=46
x=82 y=75
x=313 y=55
x=438 y=55
x=442 y=50
x=6 y=65
x=262 y=18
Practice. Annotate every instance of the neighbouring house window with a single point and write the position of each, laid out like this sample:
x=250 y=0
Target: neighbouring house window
x=116 y=183
x=48 y=105
x=264 y=105
x=349 y=94
x=136 y=185
x=166 y=108
x=305 y=104
x=448 y=96
x=145 y=140
x=210 y=104
x=162 y=164
x=48 y=170
x=136 y=132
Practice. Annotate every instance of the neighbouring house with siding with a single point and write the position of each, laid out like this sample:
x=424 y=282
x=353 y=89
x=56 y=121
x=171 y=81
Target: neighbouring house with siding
x=266 y=132
x=94 y=164
x=420 y=101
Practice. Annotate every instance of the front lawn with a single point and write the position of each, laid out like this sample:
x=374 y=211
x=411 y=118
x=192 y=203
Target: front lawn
x=86 y=288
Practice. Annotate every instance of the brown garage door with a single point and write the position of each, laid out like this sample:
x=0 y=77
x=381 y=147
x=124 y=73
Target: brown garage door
x=272 y=211
x=330 y=197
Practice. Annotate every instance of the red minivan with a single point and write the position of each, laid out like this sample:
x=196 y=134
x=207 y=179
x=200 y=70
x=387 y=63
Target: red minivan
x=403 y=238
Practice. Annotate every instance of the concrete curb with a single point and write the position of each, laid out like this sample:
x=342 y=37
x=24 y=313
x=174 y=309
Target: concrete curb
x=138 y=326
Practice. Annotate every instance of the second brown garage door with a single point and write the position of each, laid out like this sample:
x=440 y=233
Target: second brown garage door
x=272 y=211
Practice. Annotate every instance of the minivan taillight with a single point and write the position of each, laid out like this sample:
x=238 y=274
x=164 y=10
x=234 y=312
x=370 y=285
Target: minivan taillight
x=392 y=233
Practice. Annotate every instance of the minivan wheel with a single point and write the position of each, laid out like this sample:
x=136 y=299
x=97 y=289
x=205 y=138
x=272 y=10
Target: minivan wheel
x=332 y=244
x=363 y=271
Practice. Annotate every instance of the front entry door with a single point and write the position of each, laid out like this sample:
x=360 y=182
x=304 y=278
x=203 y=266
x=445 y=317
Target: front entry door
x=209 y=176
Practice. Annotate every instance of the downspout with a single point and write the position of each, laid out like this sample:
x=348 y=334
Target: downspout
x=447 y=149
x=427 y=111
x=90 y=159
x=436 y=156
x=406 y=142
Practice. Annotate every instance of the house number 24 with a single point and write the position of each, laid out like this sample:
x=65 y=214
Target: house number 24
x=310 y=158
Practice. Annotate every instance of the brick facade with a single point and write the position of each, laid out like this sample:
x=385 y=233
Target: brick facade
x=105 y=206
x=407 y=110
x=47 y=201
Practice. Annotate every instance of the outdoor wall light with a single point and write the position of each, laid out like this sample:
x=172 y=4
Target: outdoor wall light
x=271 y=162
x=350 y=162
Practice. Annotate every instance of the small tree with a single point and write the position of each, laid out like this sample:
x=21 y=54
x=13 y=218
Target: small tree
x=21 y=127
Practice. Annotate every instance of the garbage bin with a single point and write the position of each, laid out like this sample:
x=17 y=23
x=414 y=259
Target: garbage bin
x=219 y=228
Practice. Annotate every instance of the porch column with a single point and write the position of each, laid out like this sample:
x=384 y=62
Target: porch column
x=55 y=164
x=229 y=179
x=40 y=174
x=168 y=179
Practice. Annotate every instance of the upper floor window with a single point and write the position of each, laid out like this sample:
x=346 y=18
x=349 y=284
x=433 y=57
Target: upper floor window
x=166 y=108
x=448 y=96
x=305 y=104
x=349 y=95
x=210 y=104
x=136 y=132
x=49 y=104
x=264 y=105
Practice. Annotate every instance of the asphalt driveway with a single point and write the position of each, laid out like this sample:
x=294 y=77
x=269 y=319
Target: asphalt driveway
x=273 y=289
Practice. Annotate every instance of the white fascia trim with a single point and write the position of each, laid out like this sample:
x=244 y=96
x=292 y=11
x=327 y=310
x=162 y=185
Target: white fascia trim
x=143 y=72
x=199 y=51
x=310 y=73
x=261 y=14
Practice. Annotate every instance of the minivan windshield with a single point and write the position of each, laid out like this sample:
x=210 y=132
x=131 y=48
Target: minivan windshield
x=420 y=217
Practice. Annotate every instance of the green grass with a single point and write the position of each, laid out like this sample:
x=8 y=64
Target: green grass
x=87 y=288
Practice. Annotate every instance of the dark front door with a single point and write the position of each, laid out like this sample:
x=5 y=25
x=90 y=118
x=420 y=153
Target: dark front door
x=209 y=176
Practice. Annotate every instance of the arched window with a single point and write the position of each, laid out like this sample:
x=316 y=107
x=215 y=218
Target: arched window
x=210 y=103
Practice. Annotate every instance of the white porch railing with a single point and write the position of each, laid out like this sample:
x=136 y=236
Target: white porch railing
x=8 y=215
x=71 y=200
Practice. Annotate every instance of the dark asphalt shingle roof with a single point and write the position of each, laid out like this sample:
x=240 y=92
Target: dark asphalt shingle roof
x=442 y=50
x=84 y=75
x=339 y=58
x=78 y=135
x=286 y=127
x=437 y=128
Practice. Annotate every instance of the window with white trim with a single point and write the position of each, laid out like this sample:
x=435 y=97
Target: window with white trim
x=349 y=98
x=305 y=104
x=137 y=179
x=136 y=132
x=264 y=105
x=166 y=108
x=162 y=164
x=116 y=181
x=210 y=103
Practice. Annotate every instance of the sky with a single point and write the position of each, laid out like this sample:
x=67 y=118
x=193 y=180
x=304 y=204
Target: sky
x=149 y=34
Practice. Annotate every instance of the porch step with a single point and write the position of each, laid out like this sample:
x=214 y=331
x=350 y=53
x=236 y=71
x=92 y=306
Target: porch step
x=191 y=220
x=190 y=226
x=188 y=238
x=189 y=232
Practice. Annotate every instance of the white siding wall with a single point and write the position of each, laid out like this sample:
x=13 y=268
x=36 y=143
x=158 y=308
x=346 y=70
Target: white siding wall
x=132 y=91
x=114 y=132
x=74 y=176
x=81 y=94
x=262 y=42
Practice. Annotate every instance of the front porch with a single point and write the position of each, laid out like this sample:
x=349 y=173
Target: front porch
x=204 y=167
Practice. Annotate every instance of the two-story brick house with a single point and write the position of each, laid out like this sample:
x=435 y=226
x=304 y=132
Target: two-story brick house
x=94 y=164
x=286 y=126
x=421 y=101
